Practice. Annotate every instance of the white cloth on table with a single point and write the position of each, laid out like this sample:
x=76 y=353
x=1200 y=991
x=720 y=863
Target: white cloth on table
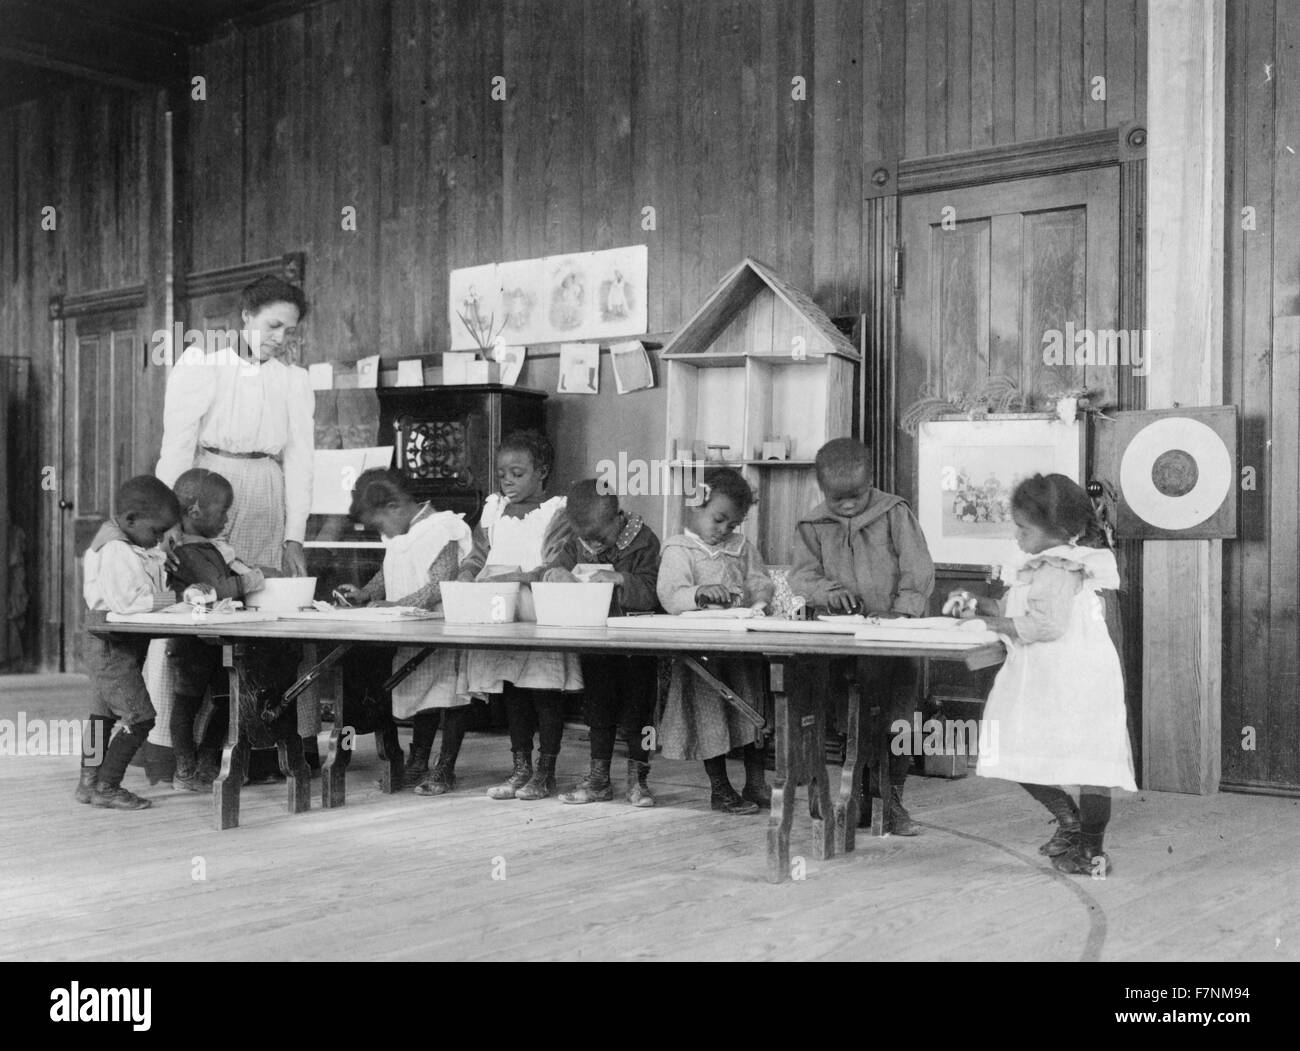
x=518 y=542
x=406 y=569
x=222 y=401
x=1056 y=713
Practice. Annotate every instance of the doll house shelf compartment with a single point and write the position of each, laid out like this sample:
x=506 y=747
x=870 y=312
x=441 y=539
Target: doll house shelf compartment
x=759 y=360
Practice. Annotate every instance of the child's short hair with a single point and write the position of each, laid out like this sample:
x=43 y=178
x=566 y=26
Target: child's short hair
x=271 y=289
x=376 y=489
x=587 y=505
x=200 y=486
x=1060 y=507
x=728 y=482
x=145 y=495
x=842 y=456
x=532 y=442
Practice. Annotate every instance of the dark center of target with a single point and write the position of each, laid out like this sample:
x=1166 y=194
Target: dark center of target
x=1174 y=473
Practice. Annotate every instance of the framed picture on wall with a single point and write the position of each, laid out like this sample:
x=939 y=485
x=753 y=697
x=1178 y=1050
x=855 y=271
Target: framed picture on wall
x=967 y=469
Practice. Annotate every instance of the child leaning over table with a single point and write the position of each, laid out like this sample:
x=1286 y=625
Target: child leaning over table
x=862 y=550
x=123 y=570
x=269 y=667
x=618 y=690
x=422 y=548
x=711 y=565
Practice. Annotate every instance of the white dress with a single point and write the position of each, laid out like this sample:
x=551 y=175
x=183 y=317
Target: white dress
x=406 y=569
x=518 y=542
x=1056 y=714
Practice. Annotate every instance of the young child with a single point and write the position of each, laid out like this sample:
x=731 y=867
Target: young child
x=1058 y=701
x=862 y=550
x=205 y=498
x=123 y=573
x=618 y=691
x=424 y=547
x=519 y=537
x=710 y=564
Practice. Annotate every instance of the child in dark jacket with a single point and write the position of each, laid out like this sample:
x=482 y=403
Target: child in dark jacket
x=618 y=691
x=205 y=498
x=862 y=550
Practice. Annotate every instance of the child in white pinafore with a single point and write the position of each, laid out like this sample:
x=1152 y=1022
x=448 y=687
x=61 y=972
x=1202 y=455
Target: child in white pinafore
x=1056 y=710
x=520 y=537
x=711 y=565
x=423 y=548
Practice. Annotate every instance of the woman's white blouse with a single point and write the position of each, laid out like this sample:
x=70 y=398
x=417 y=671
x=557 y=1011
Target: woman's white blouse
x=225 y=402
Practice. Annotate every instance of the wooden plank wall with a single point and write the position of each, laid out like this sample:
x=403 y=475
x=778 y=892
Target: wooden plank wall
x=612 y=106
x=1261 y=630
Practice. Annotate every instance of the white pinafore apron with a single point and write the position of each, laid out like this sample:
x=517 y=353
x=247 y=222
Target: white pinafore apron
x=1056 y=714
x=518 y=542
x=406 y=569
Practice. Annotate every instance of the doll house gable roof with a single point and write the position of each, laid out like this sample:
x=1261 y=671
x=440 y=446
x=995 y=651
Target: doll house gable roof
x=753 y=312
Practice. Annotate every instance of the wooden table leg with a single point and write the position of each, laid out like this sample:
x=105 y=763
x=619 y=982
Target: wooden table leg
x=810 y=702
x=783 y=793
x=334 y=764
x=234 y=756
x=848 y=805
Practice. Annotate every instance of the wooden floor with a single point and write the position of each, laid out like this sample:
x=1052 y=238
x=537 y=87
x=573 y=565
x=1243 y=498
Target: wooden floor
x=401 y=877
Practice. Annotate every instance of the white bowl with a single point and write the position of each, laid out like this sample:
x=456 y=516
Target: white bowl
x=572 y=605
x=479 y=602
x=282 y=594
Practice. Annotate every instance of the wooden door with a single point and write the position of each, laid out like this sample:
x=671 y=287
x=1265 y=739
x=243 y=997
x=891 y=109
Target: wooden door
x=102 y=358
x=989 y=272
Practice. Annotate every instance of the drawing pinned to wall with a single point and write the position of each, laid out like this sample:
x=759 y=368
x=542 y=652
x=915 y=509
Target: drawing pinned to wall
x=588 y=295
x=631 y=366
x=511 y=360
x=579 y=368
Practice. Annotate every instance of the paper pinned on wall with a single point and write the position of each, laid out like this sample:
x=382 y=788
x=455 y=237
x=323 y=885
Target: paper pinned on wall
x=579 y=368
x=336 y=472
x=410 y=373
x=368 y=372
x=321 y=376
x=631 y=366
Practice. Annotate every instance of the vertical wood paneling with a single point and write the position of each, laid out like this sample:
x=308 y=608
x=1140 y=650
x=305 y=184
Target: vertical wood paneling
x=1094 y=63
x=795 y=144
x=1026 y=86
x=607 y=145
x=960 y=85
x=1004 y=71
x=216 y=163
x=982 y=73
x=937 y=86
x=760 y=90
x=1047 y=69
x=1072 y=87
x=1125 y=56
x=916 y=72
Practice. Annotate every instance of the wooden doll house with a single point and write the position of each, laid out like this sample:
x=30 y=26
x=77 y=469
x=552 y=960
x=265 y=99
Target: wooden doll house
x=758 y=379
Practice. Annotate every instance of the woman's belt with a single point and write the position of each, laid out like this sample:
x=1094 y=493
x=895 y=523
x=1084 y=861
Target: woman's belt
x=235 y=456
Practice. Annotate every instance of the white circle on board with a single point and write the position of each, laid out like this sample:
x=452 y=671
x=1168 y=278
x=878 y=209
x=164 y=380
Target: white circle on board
x=1213 y=473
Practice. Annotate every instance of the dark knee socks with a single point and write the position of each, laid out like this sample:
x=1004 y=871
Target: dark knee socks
x=550 y=721
x=1094 y=816
x=96 y=732
x=121 y=749
x=184 y=710
x=455 y=721
x=522 y=718
x=602 y=743
x=425 y=729
x=1053 y=798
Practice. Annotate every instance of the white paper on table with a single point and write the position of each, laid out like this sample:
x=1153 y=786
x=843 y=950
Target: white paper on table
x=584 y=571
x=336 y=472
x=410 y=373
x=363 y=614
x=321 y=376
x=668 y=622
x=162 y=617
x=934 y=631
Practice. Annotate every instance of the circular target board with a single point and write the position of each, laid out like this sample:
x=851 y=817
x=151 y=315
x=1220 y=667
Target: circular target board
x=1175 y=473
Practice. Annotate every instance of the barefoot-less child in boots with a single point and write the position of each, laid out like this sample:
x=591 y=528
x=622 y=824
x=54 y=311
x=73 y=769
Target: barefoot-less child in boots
x=423 y=548
x=1057 y=704
x=123 y=573
x=618 y=690
x=201 y=559
x=519 y=537
x=862 y=551
x=710 y=565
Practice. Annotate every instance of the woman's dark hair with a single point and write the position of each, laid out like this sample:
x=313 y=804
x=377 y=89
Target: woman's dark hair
x=730 y=483
x=271 y=289
x=377 y=488
x=146 y=495
x=534 y=443
x=1058 y=506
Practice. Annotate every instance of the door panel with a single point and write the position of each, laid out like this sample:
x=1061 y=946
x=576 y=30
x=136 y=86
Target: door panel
x=1019 y=259
x=102 y=359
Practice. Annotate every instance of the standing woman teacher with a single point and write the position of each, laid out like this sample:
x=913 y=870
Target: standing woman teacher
x=247 y=415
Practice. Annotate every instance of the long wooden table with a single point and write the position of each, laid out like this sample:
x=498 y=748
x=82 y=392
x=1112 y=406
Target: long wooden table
x=800 y=714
